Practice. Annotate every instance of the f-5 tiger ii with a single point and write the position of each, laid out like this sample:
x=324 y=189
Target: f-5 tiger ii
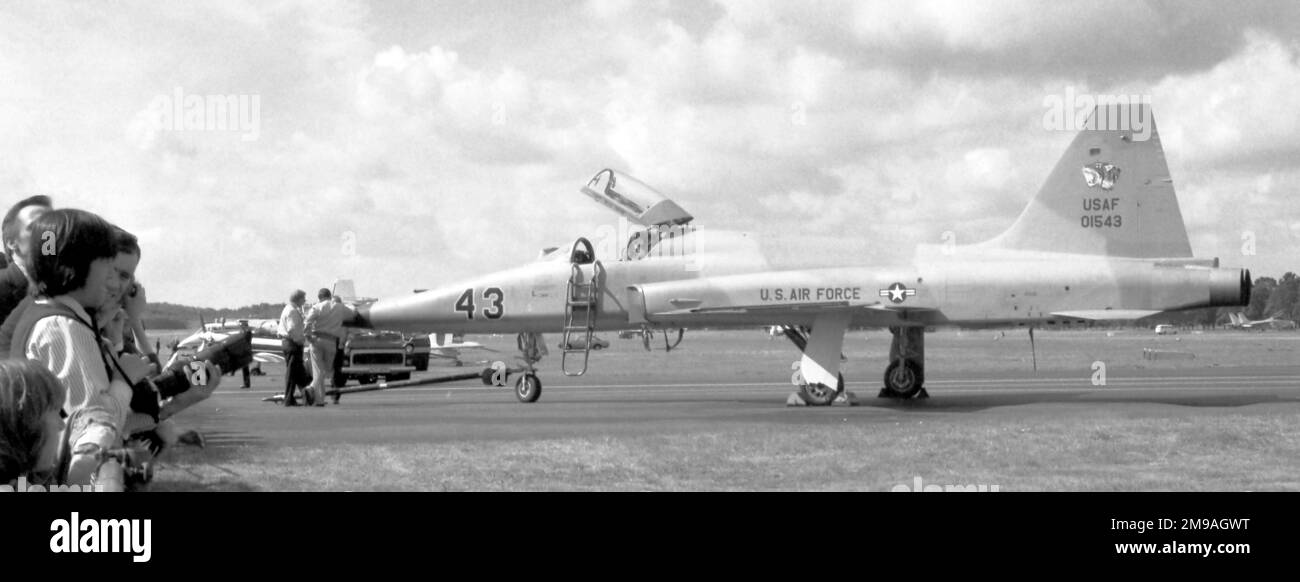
x=1103 y=239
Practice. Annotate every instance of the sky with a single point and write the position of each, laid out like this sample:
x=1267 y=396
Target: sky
x=413 y=144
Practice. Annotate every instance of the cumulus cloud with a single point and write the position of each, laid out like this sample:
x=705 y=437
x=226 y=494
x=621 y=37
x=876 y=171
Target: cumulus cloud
x=854 y=129
x=1239 y=110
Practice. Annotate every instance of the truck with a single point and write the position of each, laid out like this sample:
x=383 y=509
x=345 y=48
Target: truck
x=369 y=355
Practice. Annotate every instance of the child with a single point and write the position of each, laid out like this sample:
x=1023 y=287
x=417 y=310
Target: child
x=31 y=419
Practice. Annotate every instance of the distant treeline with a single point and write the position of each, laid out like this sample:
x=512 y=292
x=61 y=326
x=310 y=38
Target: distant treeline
x=172 y=316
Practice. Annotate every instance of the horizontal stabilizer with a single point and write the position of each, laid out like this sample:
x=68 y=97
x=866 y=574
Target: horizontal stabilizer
x=1106 y=314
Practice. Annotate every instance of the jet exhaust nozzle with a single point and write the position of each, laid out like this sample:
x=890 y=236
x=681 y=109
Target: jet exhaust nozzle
x=1229 y=287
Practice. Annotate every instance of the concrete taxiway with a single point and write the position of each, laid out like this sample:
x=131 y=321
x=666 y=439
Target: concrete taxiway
x=698 y=398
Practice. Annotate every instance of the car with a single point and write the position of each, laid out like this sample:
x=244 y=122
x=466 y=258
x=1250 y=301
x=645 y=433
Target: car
x=369 y=355
x=1164 y=329
x=417 y=351
x=575 y=343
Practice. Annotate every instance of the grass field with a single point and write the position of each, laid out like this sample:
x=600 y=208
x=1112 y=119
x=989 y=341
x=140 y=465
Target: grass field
x=1135 y=451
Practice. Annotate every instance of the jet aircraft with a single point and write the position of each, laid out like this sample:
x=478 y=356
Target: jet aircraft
x=1239 y=321
x=1103 y=239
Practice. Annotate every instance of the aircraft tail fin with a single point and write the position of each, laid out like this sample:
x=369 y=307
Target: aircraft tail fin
x=345 y=289
x=1110 y=194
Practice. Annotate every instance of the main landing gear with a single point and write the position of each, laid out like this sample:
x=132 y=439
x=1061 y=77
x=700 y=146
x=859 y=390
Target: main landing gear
x=905 y=375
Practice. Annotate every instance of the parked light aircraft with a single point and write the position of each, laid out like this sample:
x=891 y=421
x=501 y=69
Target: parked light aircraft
x=450 y=347
x=266 y=342
x=1239 y=321
x=1103 y=239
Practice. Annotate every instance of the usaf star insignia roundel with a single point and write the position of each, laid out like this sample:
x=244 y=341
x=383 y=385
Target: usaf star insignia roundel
x=897 y=293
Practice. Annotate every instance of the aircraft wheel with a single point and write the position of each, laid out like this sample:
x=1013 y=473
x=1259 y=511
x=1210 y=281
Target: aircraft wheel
x=528 y=388
x=903 y=381
x=819 y=394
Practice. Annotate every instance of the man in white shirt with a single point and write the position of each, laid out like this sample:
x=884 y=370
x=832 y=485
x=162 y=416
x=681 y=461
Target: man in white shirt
x=293 y=338
x=325 y=331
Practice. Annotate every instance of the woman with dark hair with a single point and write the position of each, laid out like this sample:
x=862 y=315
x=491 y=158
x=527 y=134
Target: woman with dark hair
x=72 y=254
x=31 y=419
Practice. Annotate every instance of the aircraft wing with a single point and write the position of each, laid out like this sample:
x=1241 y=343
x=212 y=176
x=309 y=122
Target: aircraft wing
x=796 y=307
x=265 y=349
x=268 y=357
x=784 y=296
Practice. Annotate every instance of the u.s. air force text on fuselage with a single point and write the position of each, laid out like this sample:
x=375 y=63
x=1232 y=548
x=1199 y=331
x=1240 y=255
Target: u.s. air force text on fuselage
x=807 y=294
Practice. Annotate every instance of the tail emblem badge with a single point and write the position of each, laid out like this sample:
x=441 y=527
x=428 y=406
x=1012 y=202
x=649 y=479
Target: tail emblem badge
x=1101 y=173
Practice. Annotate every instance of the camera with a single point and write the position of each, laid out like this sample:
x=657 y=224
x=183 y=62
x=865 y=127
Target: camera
x=232 y=353
x=134 y=470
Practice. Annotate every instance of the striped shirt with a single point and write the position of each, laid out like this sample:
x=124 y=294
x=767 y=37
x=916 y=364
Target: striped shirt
x=72 y=352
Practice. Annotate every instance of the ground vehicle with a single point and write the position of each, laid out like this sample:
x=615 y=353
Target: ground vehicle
x=368 y=355
x=417 y=351
x=576 y=343
x=1165 y=329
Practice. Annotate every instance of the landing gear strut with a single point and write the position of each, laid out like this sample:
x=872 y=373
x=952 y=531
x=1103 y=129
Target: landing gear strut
x=528 y=388
x=905 y=375
x=820 y=365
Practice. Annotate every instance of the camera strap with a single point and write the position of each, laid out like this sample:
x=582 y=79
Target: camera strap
x=52 y=308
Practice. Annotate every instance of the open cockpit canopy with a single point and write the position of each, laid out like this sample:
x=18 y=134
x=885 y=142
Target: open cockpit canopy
x=634 y=200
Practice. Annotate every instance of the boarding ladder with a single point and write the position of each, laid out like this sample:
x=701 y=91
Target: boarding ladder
x=579 y=309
